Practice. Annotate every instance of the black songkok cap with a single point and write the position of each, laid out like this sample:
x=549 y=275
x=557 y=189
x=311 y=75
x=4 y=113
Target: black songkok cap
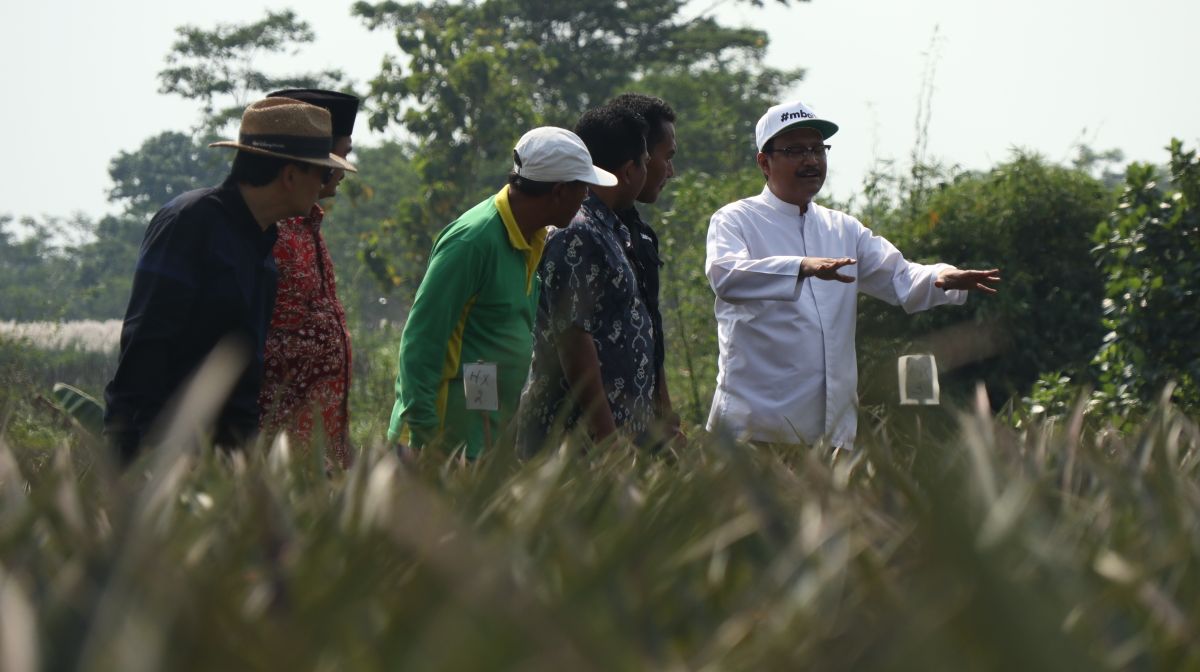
x=343 y=107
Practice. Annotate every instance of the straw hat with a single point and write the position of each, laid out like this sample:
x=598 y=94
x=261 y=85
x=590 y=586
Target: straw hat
x=288 y=129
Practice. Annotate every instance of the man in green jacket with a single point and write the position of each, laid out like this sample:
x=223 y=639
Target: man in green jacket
x=477 y=301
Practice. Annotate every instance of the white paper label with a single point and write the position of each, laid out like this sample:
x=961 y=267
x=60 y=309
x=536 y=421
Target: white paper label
x=918 y=380
x=479 y=385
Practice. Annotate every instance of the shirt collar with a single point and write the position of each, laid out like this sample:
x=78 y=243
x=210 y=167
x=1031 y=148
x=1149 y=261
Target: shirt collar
x=631 y=218
x=782 y=206
x=515 y=237
x=231 y=197
x=600 y=210
x=312 y=219
x=531 y=248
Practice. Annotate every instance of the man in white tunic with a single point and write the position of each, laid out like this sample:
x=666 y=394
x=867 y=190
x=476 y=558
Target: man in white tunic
x=786 y=273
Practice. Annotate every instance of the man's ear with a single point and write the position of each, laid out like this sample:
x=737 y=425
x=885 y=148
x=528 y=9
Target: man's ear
x=762 y=164
x=289 y=175
x=627 y=170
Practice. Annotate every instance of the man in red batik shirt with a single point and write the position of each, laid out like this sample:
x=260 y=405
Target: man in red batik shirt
x=306 y=379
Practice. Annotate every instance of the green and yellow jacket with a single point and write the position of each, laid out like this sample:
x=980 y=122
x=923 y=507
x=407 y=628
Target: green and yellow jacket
x=476 y=303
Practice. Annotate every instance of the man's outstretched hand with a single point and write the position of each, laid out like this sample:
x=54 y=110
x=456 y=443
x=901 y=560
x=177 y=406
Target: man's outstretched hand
x=972 y=281
x=824 y=268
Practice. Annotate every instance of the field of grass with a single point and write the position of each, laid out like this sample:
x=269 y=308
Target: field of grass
x=981 y=543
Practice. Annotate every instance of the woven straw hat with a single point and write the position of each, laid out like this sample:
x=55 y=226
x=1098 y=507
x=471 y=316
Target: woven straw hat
x=288 y=129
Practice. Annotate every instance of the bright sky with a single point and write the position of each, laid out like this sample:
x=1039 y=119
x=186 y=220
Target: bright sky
x=80 y=86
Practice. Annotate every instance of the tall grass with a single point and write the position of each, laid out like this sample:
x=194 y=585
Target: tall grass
x=1056 y=546
x=85 y=335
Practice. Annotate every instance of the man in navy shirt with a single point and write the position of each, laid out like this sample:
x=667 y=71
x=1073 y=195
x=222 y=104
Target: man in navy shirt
x=205 y=275
x=643 y=249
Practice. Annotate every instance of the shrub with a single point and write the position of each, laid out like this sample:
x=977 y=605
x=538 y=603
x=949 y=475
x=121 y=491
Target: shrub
x=1149 y=251
x=1031 y=219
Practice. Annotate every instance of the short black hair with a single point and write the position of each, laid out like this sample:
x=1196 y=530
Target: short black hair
x=653 y=109
x=613 y=135
x=259 y=170
x=529 y=187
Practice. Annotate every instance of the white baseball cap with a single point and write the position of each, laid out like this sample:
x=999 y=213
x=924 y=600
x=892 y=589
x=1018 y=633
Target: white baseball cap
x=552 y=154
x=784 y=116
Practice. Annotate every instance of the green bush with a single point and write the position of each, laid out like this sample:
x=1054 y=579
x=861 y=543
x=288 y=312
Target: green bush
x=689 y=322
x=1031 y=219
x=1149 y=251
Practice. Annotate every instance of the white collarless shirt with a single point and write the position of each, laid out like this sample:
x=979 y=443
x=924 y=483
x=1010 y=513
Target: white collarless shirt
x=787 y=370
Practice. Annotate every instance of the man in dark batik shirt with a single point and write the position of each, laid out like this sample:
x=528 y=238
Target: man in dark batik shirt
x=593 y=353
x=205 y=274
x=660 y=145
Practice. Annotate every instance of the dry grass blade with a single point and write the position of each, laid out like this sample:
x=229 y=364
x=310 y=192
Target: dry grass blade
x=18 y=628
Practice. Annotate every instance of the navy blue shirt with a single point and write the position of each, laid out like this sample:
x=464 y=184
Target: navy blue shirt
x=205 y=272
x=589 y=283
x=646 y=261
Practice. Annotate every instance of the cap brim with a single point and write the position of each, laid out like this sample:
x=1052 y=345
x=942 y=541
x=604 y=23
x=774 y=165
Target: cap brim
x=601 y=178
x=823 y=126
x=334 y=161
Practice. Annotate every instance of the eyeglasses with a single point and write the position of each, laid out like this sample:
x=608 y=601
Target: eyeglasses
x=326 y=175
x=800 y=151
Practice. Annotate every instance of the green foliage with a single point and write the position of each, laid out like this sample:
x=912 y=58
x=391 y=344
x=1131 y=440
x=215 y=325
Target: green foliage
x=33 y=268
x=217 y=67
x=90 y=275
x=354 y=222
x=1029 y=218
x=1149 y=250
x=474 y=76
x=27 y=375
x=1041 y=549
x=165 y=166
x=103 y=268
x=686 y=299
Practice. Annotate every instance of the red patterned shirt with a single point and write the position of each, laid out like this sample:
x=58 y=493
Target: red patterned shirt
x=307 y=357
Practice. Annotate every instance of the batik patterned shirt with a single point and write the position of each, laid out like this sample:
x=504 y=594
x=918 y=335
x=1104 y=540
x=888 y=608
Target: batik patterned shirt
x=307 y=356
x=588 y=282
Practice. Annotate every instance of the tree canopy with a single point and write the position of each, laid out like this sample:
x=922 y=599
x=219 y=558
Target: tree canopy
x=471 y=77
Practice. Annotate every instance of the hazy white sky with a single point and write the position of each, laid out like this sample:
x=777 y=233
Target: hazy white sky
x=79 y=79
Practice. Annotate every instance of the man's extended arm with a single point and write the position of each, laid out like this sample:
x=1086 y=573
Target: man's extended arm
x=885 y=274
x=735 y=276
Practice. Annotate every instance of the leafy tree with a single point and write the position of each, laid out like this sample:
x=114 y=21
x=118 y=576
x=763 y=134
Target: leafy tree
x=1149 y=251
x=165 y=166
x=216 y=67
x=33 y=270
x=686 y=299
x=352 y=229
x=475 y=75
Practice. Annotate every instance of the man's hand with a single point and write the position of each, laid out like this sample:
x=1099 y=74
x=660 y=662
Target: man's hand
x=407 y=454
x=672 y=430
x=824 y=268
x=977 y=281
